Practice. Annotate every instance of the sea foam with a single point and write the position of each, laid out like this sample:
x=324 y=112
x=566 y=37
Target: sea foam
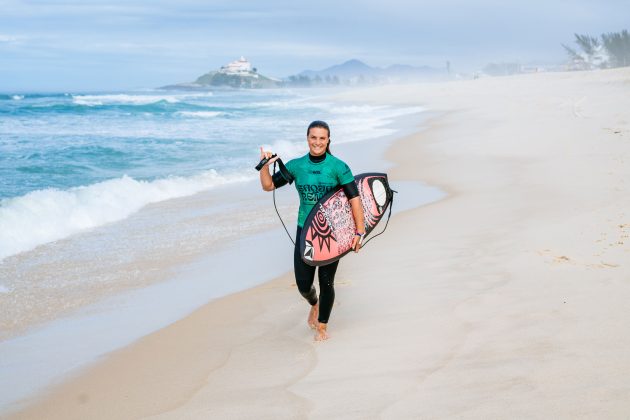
x=200 y=114
x=48 y=215
x=122 y=99
x=136 y=99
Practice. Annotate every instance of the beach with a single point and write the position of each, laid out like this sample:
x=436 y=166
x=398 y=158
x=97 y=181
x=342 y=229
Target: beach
x=505 y=299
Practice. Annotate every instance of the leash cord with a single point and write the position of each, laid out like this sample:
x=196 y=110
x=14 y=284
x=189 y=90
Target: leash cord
x=277 y=212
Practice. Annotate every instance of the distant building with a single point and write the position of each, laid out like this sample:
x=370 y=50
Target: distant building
x=238 y=67
x=532 y=69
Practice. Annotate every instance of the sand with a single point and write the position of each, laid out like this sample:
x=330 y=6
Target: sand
x=507 y=299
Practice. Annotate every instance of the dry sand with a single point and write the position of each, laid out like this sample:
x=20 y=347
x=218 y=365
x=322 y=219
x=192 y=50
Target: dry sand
x=508 y=299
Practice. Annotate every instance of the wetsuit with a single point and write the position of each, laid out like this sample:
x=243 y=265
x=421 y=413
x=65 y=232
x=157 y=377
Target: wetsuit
x=315 y=176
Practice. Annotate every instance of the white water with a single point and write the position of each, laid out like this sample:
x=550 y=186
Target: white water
x=47 y=215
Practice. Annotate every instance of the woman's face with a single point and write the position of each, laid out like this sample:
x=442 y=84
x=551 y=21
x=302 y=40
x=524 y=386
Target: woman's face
x=317 y=140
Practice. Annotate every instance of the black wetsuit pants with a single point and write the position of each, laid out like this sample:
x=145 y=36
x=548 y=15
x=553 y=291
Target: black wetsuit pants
x=304 y=277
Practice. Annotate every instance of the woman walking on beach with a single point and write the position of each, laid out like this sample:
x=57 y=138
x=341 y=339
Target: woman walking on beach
x=315 y=174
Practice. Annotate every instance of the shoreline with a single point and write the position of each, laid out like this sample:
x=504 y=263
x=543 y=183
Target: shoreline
x=143 y=236
x=104 y=326
x=512 y=289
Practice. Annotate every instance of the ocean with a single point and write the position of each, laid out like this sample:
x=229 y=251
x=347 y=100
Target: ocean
x=121 y=212
x=70 y=162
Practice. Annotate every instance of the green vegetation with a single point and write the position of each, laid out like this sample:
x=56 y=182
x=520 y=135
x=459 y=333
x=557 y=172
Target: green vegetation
x=254 y=81
x=612 y=50
x=618 y=45
x=305 y=81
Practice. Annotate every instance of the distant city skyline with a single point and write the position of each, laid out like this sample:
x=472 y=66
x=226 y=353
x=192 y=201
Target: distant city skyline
x=97 y=45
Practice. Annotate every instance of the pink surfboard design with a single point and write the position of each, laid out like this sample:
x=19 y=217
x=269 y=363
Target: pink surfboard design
x=329 y=228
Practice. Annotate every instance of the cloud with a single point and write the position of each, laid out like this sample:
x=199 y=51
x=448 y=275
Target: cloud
x=284 y=36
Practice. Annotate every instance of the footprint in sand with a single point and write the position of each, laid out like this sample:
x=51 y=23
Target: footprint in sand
x=602 y=265
x=563 y=259
x=557 y=259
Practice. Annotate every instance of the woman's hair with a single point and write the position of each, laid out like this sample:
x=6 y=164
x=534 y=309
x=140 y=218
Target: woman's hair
x=320 y=124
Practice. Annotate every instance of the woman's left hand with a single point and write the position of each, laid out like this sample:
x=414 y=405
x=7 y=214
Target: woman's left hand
x=356 y=243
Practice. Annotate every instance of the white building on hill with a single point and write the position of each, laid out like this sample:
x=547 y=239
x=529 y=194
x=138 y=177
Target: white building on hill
x=240 y=66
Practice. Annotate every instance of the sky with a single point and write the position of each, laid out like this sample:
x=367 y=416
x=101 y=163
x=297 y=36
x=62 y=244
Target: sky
x=98 y=45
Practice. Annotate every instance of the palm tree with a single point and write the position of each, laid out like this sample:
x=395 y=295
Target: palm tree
x=612 y=51
x=618 y=45
x=593 y=55
x=589 y=44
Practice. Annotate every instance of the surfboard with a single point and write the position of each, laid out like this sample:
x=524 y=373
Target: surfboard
x=329 y=228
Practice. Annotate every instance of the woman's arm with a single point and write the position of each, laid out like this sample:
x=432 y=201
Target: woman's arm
x=266 y=182
x=359 y=221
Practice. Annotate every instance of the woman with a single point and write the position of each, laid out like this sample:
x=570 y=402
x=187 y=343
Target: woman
x=315 y=174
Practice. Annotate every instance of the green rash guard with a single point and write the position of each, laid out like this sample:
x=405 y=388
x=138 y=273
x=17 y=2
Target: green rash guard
x=314 y=179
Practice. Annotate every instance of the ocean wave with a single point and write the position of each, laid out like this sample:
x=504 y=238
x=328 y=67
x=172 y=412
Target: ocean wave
x=122 y=99
x=288 y=104
x=19 y=97
x=200 y=114
x=355 y=109
x=136 y=99
x=197 y=95
x=368 y=110
x=351 y=123
x=94 y=108
x=48 y=215
x=287 y=150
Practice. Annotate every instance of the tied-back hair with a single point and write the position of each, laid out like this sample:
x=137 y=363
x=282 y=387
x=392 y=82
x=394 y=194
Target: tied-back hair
x=320 y=124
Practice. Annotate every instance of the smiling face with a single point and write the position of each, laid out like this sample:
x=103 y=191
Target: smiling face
x=317 y=140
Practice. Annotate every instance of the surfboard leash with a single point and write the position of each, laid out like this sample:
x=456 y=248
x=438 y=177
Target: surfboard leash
x=278 y=213
x=391 y=205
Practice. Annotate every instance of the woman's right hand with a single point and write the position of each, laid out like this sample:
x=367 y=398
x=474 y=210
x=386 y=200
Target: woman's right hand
x=264 y=154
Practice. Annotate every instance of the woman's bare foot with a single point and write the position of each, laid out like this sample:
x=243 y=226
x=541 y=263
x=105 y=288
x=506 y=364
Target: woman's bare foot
x=320 y=332
x=312 y=316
